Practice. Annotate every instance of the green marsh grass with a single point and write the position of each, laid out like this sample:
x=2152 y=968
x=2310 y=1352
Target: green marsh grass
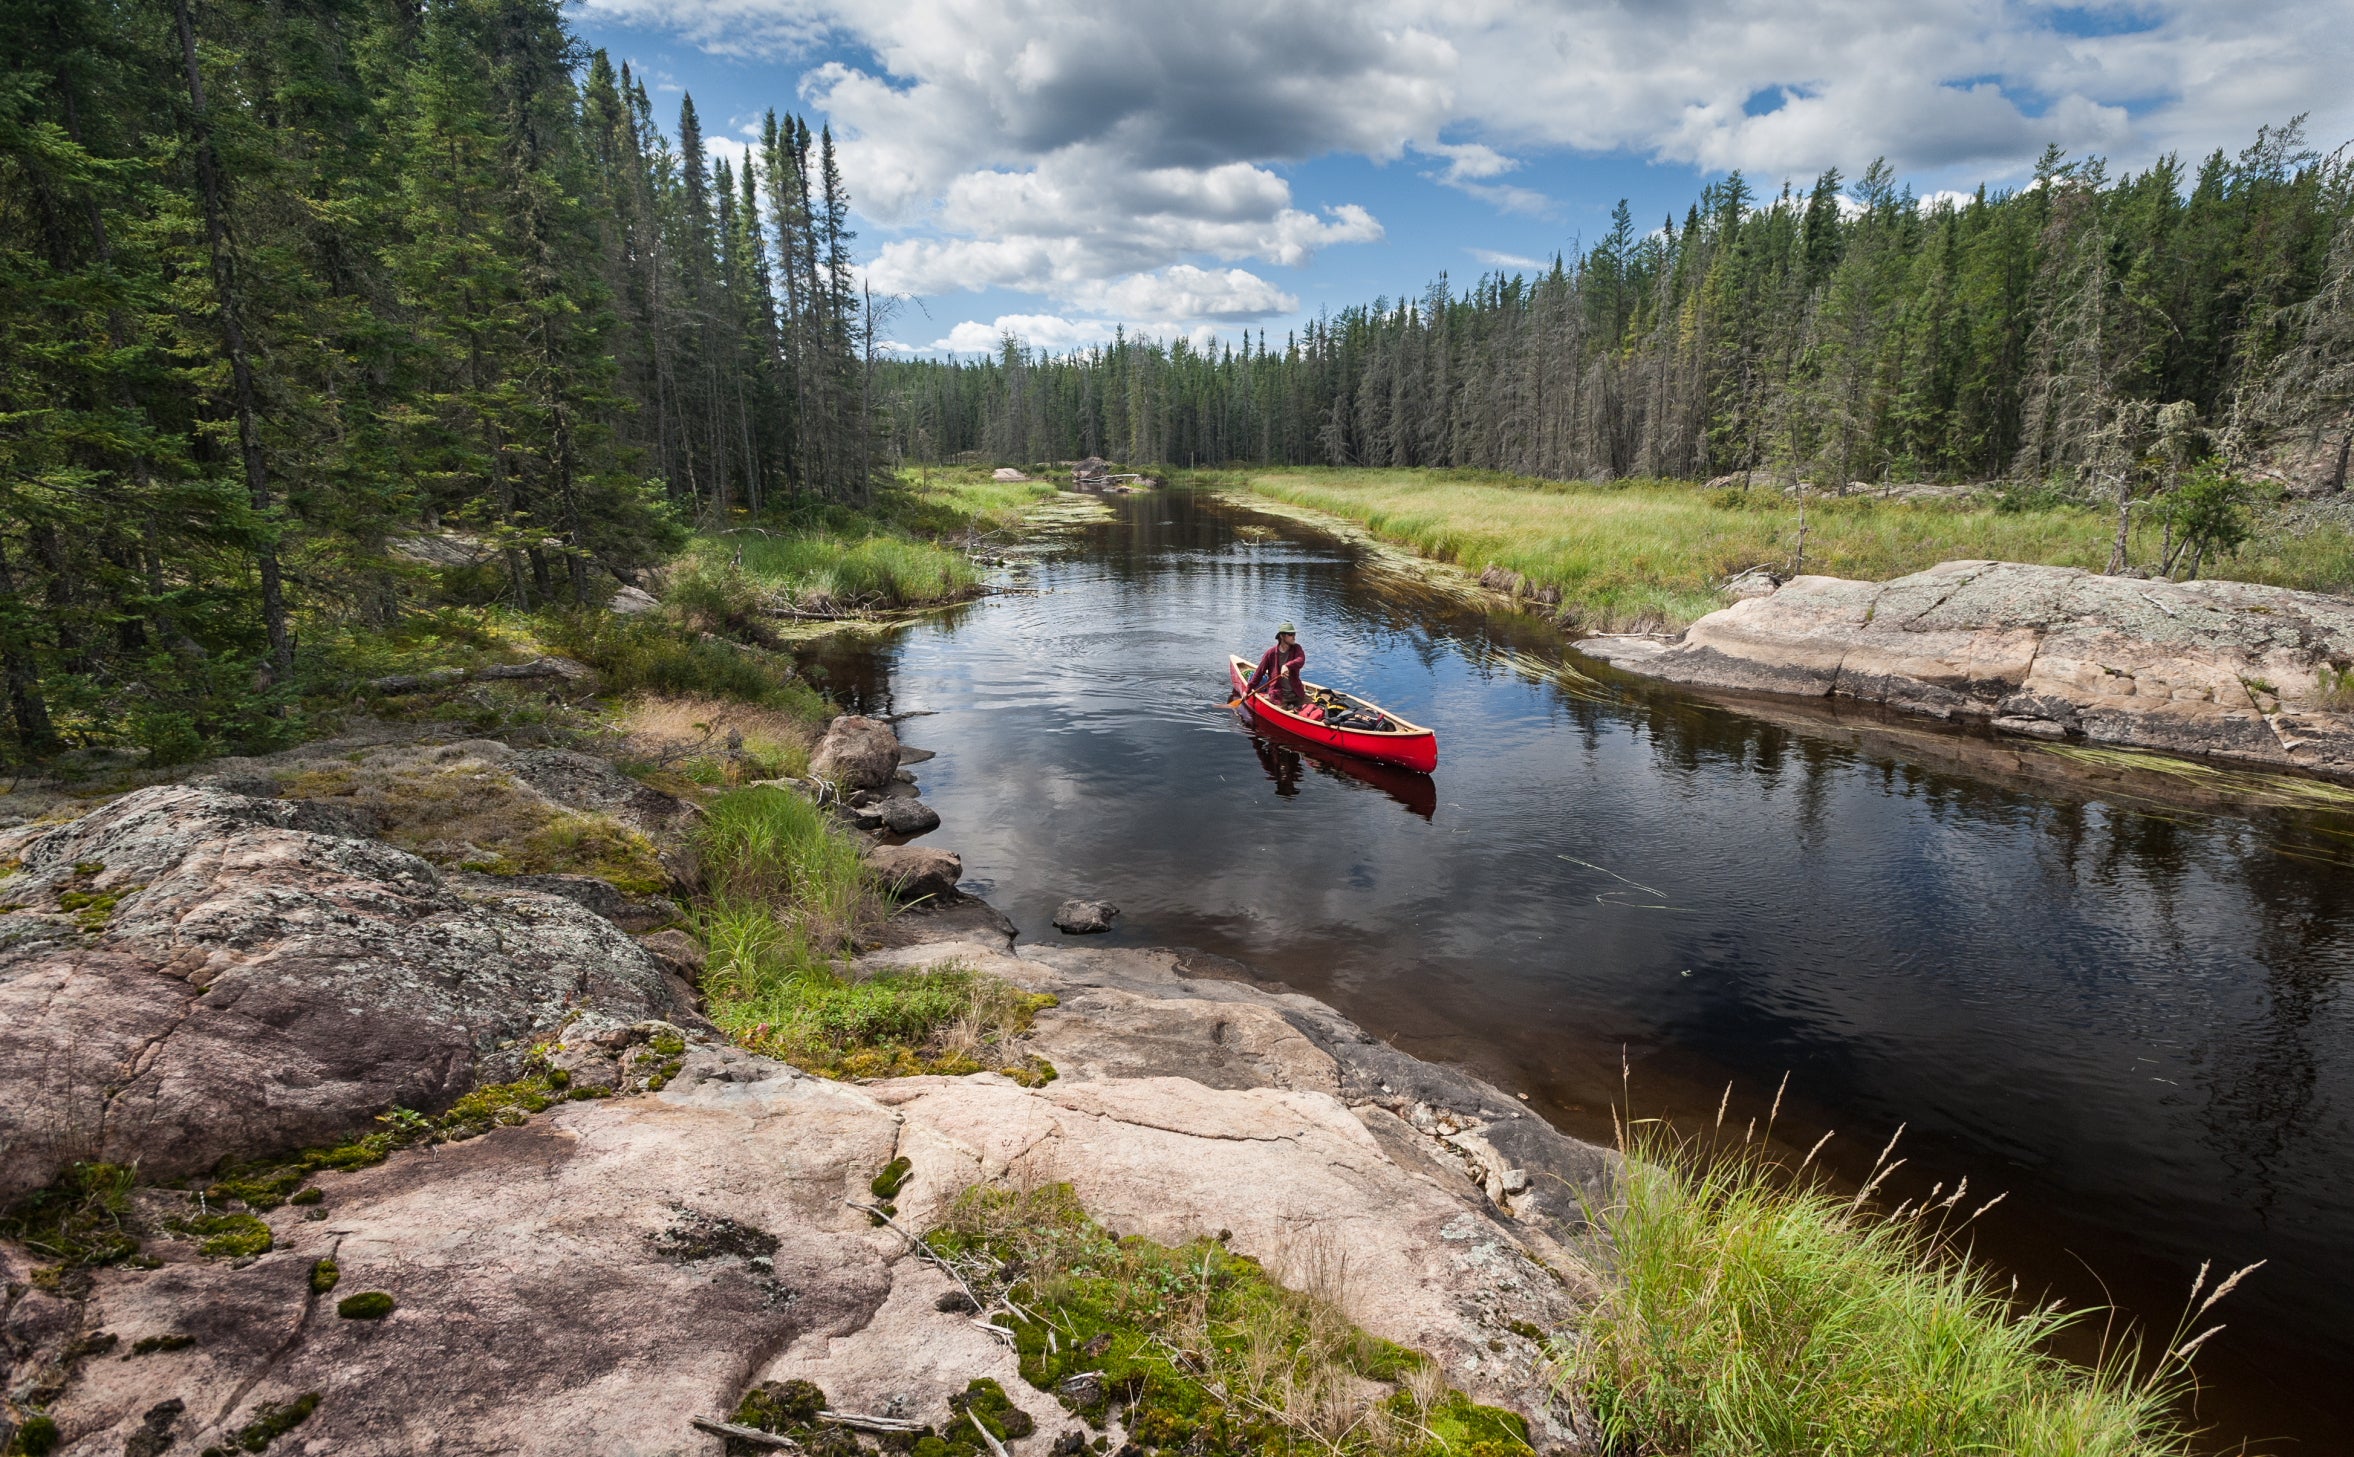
x=887 y=557
x=1650 y=554
x=1751 y=1312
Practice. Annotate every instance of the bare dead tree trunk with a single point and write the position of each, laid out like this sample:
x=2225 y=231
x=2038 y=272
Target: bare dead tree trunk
x=2124 y=520
x=246 y=397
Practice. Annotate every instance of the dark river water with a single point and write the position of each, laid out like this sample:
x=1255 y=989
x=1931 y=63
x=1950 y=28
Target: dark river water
x=2128 y=1015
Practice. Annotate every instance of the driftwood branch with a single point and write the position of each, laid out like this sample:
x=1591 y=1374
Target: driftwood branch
x=564 y=668
x=887 y=1426
x=996 y=1448
x=754 y=1435
x=922 y=1249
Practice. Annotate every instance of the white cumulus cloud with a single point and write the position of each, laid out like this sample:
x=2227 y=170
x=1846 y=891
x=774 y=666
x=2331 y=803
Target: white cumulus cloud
x=1068 y=149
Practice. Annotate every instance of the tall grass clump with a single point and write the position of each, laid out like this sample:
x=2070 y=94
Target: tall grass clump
x=942 y=500
x=1751 y=1313
x=787 y=898
x=823 y=569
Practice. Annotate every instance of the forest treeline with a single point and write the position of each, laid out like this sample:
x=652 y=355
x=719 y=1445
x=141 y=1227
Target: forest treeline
x=1843 y=333
x=284 y=284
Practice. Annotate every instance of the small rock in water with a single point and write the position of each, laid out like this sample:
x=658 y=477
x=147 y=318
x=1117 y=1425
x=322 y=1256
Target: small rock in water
x=909 y=816
x=1085 y=918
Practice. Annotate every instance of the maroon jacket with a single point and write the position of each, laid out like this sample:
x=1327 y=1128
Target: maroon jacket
x=1280 y=662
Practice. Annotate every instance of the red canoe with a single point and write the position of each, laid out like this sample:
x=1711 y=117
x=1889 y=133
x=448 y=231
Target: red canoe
x=1407 y=745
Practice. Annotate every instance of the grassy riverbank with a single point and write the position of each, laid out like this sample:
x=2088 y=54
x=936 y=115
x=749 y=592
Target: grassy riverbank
x=1650 y=554
x=823 y=562
x=1748 y=1314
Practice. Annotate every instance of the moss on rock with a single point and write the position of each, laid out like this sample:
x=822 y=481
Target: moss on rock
x=1195 y=1348
x=271 y=1420
x=367 y=1305
x=225 y=1236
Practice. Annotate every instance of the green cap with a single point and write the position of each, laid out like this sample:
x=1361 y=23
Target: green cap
x=1287 y=627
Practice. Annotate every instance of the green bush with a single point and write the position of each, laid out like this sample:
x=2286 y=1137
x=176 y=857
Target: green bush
x=1204 y=1351
x=367 y=1305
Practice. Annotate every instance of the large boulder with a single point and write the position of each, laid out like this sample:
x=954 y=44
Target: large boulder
x=856 y=753
x=188 y=975
x=585 y=1283
x=2230 y=669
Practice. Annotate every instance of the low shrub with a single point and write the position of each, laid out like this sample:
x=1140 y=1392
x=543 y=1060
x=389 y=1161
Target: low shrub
x=713 y=742
x=647 y=654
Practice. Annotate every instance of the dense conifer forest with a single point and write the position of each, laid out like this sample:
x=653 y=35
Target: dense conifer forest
x=300 y=302
x=1848 y=332
x=286 y=285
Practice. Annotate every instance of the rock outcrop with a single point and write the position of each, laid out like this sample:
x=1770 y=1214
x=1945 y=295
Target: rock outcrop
x=904 y=816
x=189 y=975
x=2228 y=669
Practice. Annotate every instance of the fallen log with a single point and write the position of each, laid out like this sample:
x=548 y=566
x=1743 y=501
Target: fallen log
x=398 y=683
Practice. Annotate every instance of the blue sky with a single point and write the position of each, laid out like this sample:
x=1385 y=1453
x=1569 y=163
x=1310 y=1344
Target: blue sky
x=1056 y=167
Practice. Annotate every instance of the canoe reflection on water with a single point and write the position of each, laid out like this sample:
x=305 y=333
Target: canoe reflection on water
x=1284 y=763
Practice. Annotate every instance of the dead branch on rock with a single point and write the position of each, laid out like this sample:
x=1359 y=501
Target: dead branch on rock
x=996 y=1448
x=925 y=1250
x=754 y=1435
x=887 y=1426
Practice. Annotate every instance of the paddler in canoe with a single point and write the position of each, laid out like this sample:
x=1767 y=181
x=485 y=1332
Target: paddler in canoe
x=1280 y=665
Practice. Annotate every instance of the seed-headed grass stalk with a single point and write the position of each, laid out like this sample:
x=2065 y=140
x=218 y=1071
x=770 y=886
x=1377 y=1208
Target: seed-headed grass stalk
x=1750 y=1310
